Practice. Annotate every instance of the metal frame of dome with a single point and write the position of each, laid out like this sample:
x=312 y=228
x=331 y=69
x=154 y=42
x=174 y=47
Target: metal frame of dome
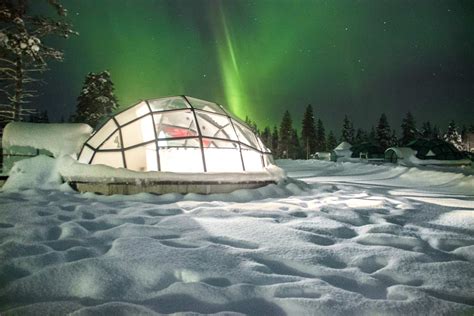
x=238 y=135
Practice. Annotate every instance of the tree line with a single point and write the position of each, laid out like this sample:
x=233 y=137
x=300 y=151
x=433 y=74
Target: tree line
x=286 y=143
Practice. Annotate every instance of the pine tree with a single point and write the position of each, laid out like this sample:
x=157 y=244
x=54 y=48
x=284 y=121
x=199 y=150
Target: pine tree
x=361 y=136
x=331 y=142
x=252 y=124
x=266 y=137
x=24 y=55
x=372 y=135
x=394 y=139
x=320 y=136
x=383 y=133
x=452 y=136
x=347 y=131
x=409 y=131
x=308 y=132
x=427 y=130
x=296 y=151
x=97 y=99
x=286 y=131
x=275 y=139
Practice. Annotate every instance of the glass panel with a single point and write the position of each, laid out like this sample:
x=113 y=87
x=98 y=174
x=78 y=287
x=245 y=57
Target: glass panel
x=268 y=159
x=102 y=134
x=215 y=125
x=142 y=158
x=135 y=111
x=245 y=135
x=181 y=159
x=175 y=124
x=252 y=160
x=113 y=142
x=214 y=143
x=187 y=142
x=86 y=155
x=205 y=105
x=168 y=104
x=223 y=159
x=138 y=132
x=262 y=146
x=112 y=159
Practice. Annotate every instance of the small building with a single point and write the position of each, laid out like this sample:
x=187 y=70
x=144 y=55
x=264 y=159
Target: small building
x=427 y=152
x=342 y=152
x=368 y=151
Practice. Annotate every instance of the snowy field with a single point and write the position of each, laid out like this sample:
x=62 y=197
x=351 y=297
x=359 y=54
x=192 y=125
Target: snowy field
x=346 y=239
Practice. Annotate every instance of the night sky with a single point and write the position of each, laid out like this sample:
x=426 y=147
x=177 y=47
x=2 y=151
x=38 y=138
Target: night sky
x=260 y=58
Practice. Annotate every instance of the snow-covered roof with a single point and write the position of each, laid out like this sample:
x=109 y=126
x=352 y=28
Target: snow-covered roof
x=343 y=146
x=58 y=138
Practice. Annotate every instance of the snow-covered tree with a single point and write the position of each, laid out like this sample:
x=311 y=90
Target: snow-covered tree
x=308 y=132
x=409 y=131
x=97 y=99
x=453 y=136
x=24 y=54
x=347 y=134
x=383 y=132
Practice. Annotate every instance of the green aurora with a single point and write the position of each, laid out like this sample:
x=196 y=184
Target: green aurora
x=260 y=58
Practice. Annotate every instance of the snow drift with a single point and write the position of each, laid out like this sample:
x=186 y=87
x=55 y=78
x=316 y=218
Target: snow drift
x=59 y=139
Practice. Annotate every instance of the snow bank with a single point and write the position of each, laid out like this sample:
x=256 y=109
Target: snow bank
x=59 y=139
x=43 y=172
x=40 y=172
x=439 y=179
x=343 y=247
x=73 y=170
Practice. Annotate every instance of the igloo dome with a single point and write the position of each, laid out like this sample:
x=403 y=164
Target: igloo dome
x=176 y=134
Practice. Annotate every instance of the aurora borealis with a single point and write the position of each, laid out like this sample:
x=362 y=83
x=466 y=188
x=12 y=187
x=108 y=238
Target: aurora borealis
x=260 y=58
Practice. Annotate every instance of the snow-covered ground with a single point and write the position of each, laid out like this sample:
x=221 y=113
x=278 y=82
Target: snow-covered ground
x=350 y=239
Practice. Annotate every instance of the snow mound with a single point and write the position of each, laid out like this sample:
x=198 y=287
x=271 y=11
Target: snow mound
x=71 y=169
x=458 y=218
x=438 y=179
x=40 y=172
x=59 y=139
x=46 y=173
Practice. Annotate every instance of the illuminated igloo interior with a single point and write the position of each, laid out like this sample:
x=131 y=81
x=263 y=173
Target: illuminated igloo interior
x=176 y=134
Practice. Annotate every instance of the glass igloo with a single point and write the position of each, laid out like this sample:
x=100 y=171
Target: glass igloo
x=176 y=134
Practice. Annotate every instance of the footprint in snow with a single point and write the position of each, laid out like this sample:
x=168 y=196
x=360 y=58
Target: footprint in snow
x=234 y=243
x=176 y=244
